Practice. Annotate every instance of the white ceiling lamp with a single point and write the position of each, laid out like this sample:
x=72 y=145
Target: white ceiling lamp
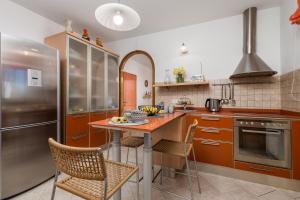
x=184 y=49
x=117 y=16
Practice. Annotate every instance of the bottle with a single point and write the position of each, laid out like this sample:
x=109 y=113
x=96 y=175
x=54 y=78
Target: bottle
x=167 y=79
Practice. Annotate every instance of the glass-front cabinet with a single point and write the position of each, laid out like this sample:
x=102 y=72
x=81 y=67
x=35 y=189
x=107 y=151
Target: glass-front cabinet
x=92 y=79
x=77 y=101
x=113 y=82
x=89 y=88
x=97 y=80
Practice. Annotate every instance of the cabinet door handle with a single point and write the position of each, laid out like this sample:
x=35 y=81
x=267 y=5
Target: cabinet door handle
x=260 y=169
x=79 y=136
x=210 y=130
x=212 y=143
x=79 y=116
x=210 y=118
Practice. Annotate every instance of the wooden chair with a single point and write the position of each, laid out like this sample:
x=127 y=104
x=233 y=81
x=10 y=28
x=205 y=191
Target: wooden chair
x=180 y=149
x=89 y=176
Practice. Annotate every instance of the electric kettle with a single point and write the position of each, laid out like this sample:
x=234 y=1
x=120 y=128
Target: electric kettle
x=213 y=105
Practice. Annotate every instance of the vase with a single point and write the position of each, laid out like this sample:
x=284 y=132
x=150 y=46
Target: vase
x=167 y=79
x=179 y=78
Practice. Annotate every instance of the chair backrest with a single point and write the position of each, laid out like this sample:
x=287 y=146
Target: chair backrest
x=84 y=163
x=190 y=133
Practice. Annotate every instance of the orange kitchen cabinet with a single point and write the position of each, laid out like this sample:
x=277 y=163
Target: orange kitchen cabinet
x=112 y=113
x=213 y=121
x=97 y=135
x=296 y=149
x=215 y=133
x=263 y=169
x=77 y=130
x=214 y=152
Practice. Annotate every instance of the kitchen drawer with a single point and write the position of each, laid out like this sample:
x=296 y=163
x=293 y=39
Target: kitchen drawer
x=97 y=135
x=112 y=113
x=77 y=130
x=214 y=152
x=212 y=121
x=223 y=134
x=263 y=169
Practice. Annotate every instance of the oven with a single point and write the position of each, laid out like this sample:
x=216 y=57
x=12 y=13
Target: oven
x=263 y=141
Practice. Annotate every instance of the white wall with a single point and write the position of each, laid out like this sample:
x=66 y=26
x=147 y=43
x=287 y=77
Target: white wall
x=290 y=38
x=19 y=21
x=217 y=44
x=143 y=71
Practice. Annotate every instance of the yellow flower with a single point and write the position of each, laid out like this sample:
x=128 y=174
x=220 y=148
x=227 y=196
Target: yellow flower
x=179 y=70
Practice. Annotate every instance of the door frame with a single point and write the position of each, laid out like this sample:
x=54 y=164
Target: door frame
x=121 y=67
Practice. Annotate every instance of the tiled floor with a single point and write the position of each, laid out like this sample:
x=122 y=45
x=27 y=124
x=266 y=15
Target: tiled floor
x=214 y=187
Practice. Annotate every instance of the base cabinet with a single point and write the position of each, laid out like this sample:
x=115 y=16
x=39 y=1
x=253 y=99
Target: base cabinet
x=213 y=139
x=97 y=135
x=296 y=149
x=77 y=130
x=214 y=152
x=80 y=134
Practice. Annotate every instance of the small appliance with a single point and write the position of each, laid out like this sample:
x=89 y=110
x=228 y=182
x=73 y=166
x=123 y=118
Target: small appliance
x=213 y=105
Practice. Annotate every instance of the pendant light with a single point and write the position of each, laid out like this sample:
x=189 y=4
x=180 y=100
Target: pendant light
x=117 y=16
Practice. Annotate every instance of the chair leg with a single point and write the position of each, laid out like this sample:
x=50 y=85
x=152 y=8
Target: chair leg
x=161 y=169
x=137 y=175
x=197 y=171
x=54 y=185
x=127 y=157
x=189 y=175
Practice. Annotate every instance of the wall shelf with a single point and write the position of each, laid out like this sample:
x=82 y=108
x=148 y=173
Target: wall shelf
x=188 y=83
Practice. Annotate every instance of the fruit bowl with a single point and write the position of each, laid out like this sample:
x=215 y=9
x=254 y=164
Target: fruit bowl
x=151 y=111
x=135 y=115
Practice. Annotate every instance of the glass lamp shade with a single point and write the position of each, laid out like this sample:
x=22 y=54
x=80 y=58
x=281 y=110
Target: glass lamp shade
x=117 y=17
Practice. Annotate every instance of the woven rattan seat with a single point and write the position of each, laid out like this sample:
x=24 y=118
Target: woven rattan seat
x=172 y=148
x=117 y=175
x=132 y=141
x=89 y=176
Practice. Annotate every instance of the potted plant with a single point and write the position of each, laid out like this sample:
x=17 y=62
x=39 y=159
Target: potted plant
x=179 y=73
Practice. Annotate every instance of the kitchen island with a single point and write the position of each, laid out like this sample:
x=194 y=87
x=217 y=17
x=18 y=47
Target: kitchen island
x=166 y=124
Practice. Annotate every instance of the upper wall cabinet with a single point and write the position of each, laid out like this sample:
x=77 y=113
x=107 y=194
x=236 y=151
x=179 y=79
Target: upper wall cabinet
x=113 y=82
x=77 y=76
x=89 y=76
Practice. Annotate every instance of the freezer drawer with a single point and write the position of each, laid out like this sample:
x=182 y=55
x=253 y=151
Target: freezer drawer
x=25 y=158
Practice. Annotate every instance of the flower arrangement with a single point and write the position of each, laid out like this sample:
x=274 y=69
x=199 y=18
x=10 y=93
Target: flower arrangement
x=179 y=73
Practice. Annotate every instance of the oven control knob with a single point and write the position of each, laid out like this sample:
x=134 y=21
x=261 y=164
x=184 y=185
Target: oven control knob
x=252 y=123
x=246 y=123
x=241 y=123
x=262 y=124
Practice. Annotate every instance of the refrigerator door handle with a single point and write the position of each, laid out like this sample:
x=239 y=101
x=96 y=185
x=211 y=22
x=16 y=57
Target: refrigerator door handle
x=28 y=126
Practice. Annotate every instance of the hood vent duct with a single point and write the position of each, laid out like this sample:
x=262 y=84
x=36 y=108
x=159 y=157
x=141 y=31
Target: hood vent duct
x=251 y=64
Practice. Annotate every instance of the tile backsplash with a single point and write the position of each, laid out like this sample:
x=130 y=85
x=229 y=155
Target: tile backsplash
x=258 y=93
x=290 y=98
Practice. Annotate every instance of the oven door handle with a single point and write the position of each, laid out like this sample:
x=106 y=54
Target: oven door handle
x=261 y=132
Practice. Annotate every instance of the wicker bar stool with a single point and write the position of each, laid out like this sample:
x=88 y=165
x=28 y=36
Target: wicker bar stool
x=133 y=142
x=89 y=176
x=180 y=149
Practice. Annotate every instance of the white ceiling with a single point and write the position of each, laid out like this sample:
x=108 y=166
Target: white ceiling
x=156 y=15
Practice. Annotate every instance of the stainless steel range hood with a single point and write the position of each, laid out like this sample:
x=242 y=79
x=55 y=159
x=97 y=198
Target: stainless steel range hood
x=251 y=64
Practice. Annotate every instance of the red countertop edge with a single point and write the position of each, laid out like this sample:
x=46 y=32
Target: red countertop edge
x=154 y=124
x=232 y=112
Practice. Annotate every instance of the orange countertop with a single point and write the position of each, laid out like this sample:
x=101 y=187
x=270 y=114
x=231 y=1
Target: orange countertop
x=237 y=112
x=154 y=123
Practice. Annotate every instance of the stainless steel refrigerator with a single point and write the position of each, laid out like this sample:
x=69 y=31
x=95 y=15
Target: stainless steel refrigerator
x=29 y=102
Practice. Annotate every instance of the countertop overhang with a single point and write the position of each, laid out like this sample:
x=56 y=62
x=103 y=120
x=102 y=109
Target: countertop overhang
x=154 y=123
